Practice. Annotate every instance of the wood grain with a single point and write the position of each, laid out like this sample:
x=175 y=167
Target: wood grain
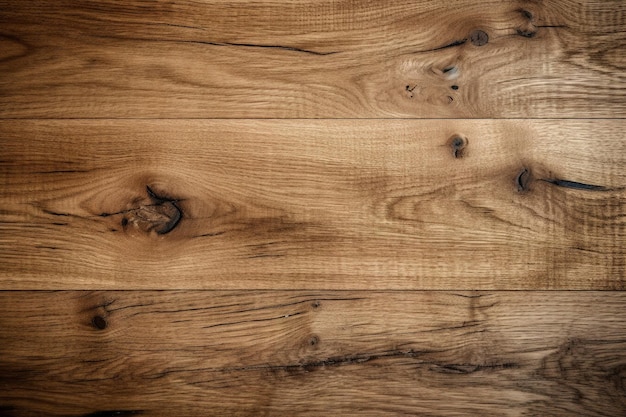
x=293 y=353
x=312 y=59
x=343 y=204
x=324 y=244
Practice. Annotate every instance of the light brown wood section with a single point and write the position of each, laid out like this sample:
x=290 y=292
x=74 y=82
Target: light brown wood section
x=376 y=58
x=313 y=204
x=203 y=353
x=294 y=208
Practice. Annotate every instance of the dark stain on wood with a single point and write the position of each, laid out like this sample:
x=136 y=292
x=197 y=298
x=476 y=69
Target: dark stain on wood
x=8 y=411
x=12 y=48
x=579 y=363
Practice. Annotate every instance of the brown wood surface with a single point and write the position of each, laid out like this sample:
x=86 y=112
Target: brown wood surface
x=313 y=204
x=205 y=353
x=312 y=58
x=205 y=256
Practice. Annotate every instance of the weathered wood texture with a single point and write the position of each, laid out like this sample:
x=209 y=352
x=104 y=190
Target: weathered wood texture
x=204 y=353
x=313 y=204
x=377 y=58
x=304 y=226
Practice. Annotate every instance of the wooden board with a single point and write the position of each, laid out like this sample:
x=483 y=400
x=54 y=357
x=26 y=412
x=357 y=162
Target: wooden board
x=291 y=353
x=312 y=58
x=242 y=264
x=313 y=204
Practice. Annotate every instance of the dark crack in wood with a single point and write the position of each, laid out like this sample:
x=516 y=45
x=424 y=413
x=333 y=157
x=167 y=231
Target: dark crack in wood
x=577 y=185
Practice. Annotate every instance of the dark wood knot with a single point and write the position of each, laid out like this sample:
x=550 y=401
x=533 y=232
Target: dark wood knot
x=99 y=322
x=479 y=38
x=526 y=33
x=161 y=215
x=458 y=144
x=312 y=342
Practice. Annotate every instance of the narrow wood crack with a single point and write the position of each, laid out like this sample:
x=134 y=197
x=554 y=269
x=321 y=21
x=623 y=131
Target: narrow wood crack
x=439 y=48
x=286 y=48
x=357 y=359
x=469 y=368
x=578 y=185
x=232 y=44
x=523 y=180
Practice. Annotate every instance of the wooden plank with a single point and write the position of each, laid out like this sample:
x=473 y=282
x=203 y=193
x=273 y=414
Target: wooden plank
x=312 y=353
x=313 y=58
x=342 y=204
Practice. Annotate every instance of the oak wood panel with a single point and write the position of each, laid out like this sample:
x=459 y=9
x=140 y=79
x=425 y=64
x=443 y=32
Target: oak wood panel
x=313 y=58
x=204 y=353
x=342 y=204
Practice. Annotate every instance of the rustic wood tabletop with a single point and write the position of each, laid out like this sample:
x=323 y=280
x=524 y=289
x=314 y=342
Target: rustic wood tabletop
x=312 y=208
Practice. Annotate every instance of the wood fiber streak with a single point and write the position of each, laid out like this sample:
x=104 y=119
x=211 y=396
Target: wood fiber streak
x=202 y=353
x=312 y=59
x=313 y=204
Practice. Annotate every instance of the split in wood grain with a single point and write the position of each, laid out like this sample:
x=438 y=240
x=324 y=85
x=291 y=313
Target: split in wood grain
x=312 y=353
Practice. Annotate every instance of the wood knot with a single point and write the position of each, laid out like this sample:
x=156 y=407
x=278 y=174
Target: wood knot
x=526 y=14
x=458 y=144
x=99 y=322
x=409 y=90
x=527 y=28
x=161 y=215
x=479 y=38
x=526 y=33
x=313 y=341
